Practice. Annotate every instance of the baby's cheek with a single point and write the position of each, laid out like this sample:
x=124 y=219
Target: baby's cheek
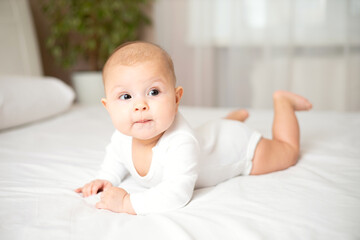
x=168 y=118
x=120 y=123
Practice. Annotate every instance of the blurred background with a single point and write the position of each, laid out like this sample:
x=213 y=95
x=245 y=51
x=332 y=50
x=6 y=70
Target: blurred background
x=235 y=53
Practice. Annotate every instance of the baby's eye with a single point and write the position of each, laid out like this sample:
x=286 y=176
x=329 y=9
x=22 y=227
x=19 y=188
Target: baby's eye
x=125 y=96
x=154 y=92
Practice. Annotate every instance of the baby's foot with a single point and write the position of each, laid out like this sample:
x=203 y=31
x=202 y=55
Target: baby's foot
x=238 y=115
x=298 y=102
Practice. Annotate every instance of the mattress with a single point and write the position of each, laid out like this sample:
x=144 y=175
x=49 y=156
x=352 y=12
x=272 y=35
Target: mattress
x=42 y=163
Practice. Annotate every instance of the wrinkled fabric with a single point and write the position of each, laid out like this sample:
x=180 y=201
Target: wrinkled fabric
x=319 y=198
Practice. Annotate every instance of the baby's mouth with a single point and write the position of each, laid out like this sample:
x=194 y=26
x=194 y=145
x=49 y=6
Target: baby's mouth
x=144 y=121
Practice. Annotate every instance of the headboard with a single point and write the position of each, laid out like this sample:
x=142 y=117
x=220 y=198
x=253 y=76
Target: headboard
x=19 y=51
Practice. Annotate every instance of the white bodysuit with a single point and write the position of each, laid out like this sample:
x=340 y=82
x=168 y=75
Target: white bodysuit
x=182 y=160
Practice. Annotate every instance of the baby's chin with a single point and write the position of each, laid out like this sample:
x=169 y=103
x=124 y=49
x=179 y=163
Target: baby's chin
x=140 y=134
x=146 y=135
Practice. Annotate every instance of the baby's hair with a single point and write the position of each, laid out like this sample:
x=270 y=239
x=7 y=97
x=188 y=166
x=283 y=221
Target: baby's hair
x=132 y=53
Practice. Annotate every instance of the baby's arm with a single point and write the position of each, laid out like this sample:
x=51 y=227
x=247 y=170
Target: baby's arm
x=179 y=176
x=173 y=192
x=111 y=173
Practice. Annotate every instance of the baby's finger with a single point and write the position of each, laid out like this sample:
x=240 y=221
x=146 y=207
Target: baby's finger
x=78 y=190
x=101 y=205
x=86 y=190
x=95 y=188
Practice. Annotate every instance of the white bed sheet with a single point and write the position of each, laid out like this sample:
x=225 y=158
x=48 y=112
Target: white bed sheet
x=319 y=198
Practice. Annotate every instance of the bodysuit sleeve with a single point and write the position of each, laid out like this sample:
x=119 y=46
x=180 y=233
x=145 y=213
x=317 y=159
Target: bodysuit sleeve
x=112 y=169
x=177 y=186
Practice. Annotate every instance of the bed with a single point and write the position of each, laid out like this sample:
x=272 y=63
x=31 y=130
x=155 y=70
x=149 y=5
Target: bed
x=50 y=146
x=42 y=162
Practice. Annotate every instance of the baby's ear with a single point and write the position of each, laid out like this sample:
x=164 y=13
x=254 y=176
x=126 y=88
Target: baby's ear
x=178 y=94
x=104 y=102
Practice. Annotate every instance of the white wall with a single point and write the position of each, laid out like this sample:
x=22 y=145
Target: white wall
x=18 y=43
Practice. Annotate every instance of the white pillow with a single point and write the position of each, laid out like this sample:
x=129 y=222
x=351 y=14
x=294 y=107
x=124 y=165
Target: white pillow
x=25 y=99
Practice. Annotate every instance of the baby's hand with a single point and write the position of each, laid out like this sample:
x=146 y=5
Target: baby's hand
x=94 y=187
x=113 y=199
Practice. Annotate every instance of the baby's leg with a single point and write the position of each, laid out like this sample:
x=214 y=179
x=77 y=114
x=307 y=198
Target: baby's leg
x=238 y=115
x=282 y=150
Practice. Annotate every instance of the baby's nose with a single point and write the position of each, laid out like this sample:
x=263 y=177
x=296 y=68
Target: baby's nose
x=141 y=106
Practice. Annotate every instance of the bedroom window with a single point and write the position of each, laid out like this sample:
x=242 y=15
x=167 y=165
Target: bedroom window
x=242 y=50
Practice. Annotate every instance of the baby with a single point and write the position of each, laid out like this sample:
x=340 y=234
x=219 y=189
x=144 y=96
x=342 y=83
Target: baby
x=154 y=143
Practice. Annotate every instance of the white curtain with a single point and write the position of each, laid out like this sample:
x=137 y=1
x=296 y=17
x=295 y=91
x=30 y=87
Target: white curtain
x=235 y=53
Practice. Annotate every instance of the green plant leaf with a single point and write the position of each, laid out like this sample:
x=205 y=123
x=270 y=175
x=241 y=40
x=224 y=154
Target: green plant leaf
x=92 y=29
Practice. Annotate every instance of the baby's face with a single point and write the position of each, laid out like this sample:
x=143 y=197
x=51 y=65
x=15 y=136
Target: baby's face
x=142 y=100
